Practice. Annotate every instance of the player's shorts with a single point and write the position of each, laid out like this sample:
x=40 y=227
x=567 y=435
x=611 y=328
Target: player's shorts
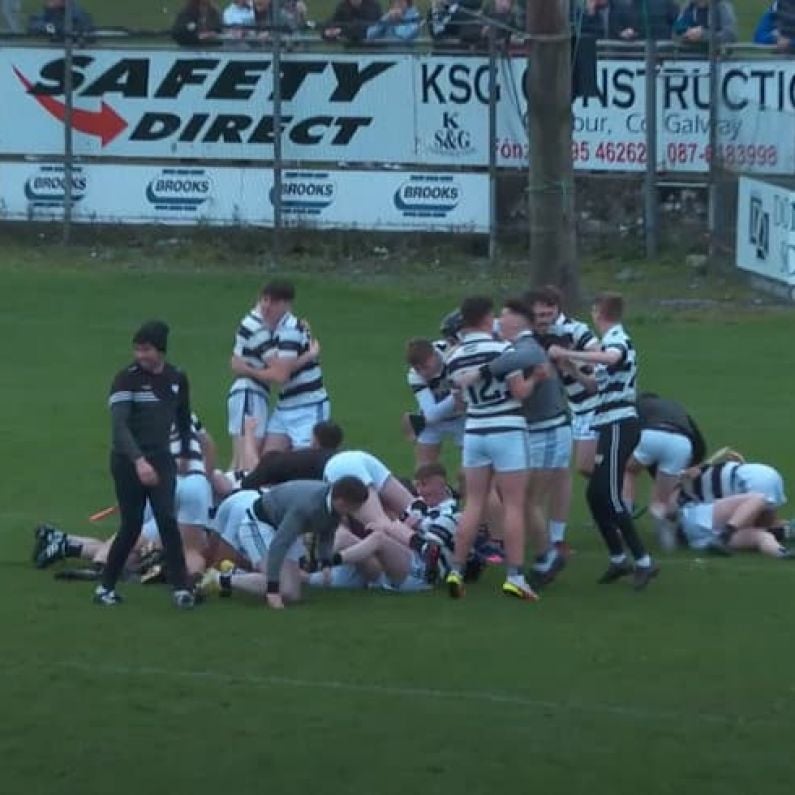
x=581 y=429
x=414 y=581
x=357 y=464
x=551 y=448
x=254 y=540
x=697 y=524
x=503 y=451
x=671 y=452
x=297 y=423
x=344 y=576
x=194 y=498
x=231 y=512
x=762 y=479
x=436 y=433
x=243 y=403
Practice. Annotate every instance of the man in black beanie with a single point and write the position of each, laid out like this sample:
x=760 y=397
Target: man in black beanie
x=146 y=399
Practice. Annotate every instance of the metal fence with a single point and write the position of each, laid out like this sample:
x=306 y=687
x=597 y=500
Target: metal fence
x=663 y=117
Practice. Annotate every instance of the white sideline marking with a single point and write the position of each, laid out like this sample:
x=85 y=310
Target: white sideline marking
x=400 y=691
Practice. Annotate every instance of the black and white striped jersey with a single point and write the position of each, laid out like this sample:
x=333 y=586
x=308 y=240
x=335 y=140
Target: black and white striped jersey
x=434 y=395
x=712 y=483
x=490 y=406
x=439 y=525
x=254 y=343
x=580 y=338
x=195 y=455
x=616 y=384
x=305 y=386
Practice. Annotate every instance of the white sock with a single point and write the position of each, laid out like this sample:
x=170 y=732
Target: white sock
x=557 y=532
x=518 y=580
x=618 y=559
x=644 y=561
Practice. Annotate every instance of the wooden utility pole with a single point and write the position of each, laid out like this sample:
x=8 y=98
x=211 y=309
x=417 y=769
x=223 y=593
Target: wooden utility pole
x=553 y=247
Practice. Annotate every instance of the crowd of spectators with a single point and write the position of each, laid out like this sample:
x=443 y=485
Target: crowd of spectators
x=466 y=22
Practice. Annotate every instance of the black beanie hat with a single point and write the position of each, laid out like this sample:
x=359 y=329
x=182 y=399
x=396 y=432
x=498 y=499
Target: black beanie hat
x=154 y=333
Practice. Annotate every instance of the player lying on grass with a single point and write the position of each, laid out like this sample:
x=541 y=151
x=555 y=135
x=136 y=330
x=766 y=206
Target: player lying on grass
x=268 y=529
x=740 y=522
x=398 y=557
x=193 y=500
x=726 y=473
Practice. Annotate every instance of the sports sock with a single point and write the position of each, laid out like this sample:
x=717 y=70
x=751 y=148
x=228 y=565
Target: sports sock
x=618 y=559
x=225 y=583
x=544 y=563
x=643 y=561
x=514 y=571
x=557 y=532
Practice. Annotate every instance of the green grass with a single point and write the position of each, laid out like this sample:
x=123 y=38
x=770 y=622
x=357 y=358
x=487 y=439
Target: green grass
x=684 y=689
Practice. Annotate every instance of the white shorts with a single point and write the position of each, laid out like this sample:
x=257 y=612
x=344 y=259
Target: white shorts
x=550 y=449
x=581 y=429
x=671 y=452
x=697 y=524
x=231 y=512
x=357 y=464
x=244 y=403
x=344 y=576
x=298 y=423
x=435 y=434
x=762 y=479
x=254 y=540
x=414 y=581
x=194 y=498
x=503 y=451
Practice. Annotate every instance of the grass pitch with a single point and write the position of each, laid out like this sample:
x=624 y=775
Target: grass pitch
x=686 y=688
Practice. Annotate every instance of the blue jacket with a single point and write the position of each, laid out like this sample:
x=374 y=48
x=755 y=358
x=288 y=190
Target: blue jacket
x=767 y=29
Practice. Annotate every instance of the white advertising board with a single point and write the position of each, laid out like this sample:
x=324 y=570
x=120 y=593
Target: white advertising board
x=766 y=230
x=402 y=108
x=105 y=193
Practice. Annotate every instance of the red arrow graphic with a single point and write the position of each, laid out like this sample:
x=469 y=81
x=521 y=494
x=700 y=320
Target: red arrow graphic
x=105 y=123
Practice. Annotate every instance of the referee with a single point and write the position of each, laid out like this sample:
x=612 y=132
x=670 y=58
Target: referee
x=146 y=400
x=616 y=422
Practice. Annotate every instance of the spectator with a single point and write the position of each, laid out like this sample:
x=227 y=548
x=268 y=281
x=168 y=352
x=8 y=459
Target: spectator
x=610 y=19
x=656 y=18
x=292 y=15
x=400 y=23
x=198 y=22
x=50 y=22
x=774 y=30
x=456 y=20
x=692 y=25
x=239 y=15
x=351 y=19
x=507 y=16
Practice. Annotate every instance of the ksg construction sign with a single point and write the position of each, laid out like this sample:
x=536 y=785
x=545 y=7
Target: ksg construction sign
x=414 y=109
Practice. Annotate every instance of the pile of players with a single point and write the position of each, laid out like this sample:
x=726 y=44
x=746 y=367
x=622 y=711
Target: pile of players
x=523 y=392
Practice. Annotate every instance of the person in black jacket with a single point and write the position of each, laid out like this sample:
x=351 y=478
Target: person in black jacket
x=199 y=22
x=670 y=442
x=51 y=20
x=147 y=399
x=350 y=20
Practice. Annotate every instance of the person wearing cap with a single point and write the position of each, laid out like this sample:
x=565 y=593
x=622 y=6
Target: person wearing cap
x=146 y=399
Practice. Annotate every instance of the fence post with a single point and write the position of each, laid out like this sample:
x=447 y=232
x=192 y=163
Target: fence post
x=68 y=153
x=277 y=133
x=650 y=203
x=492 y=145
x=714 y=99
